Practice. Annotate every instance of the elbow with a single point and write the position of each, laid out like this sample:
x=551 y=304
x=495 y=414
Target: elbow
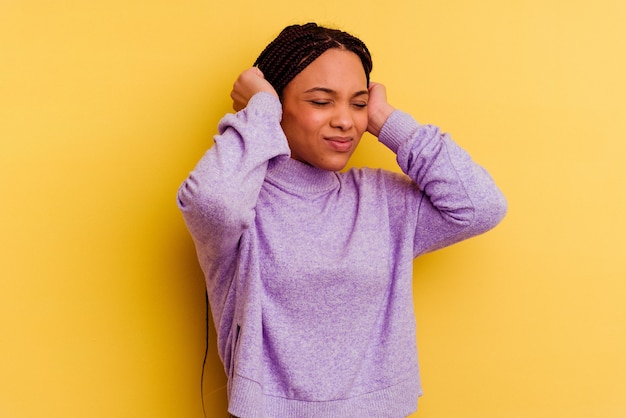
x=490 y=212
x=501 y=208
x=203 y=209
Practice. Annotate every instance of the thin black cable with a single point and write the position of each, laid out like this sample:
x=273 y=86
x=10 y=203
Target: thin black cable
x=206 y=350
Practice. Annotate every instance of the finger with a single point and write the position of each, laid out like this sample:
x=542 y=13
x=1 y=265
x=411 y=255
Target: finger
x=258 y=72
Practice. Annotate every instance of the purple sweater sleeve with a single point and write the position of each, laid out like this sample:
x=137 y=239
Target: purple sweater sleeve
x=219 y=196
x=455 y=198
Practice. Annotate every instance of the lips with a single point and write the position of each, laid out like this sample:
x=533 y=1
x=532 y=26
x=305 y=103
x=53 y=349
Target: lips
x=339 y=143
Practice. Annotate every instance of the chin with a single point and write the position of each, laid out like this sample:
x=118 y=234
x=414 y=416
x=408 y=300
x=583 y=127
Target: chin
x=334 y=165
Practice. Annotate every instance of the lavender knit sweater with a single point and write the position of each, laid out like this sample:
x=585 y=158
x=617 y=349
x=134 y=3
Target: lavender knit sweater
x=309 y=272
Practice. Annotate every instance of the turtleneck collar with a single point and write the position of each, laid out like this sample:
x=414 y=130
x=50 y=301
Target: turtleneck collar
x=301 y=178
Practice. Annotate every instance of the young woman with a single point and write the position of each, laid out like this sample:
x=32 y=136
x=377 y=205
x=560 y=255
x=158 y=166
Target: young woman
x=309 y=269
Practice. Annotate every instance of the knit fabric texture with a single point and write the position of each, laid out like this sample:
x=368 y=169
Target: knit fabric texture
x=309 y=272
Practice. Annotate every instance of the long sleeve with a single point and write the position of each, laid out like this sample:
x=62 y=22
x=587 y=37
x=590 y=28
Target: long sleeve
x=454 y=198
x=219 y=196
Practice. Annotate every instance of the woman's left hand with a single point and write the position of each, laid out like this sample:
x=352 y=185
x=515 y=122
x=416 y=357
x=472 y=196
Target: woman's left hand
x=378 y=109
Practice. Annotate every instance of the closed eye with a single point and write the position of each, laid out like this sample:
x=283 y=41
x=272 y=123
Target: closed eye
x=319 y=102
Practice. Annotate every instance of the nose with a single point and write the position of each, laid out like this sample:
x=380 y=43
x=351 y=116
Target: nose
x=342 y=118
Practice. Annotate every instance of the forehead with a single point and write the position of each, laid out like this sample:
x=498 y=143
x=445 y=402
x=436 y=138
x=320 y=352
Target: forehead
x=337 y=69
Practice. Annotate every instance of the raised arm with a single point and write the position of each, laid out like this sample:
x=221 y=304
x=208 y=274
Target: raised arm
x=454 y=198
x=219 y=196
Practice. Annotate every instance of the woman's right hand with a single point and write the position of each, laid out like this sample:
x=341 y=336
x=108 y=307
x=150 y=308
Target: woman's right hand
x=249 y=83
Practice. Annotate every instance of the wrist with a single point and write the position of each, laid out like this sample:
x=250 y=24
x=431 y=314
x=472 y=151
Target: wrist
x=378 y=119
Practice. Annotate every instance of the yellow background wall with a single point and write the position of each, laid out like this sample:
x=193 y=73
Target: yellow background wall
x=106 y=105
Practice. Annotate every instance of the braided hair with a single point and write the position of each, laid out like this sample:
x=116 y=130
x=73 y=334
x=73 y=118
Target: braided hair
x=297 y=46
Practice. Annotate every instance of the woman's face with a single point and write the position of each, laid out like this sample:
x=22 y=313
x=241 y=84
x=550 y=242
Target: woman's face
x=325 y=110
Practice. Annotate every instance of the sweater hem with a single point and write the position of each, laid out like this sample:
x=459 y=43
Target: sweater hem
x=247 y=400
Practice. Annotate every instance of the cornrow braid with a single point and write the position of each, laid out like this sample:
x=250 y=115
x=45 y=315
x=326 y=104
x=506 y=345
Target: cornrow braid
x=297 y=46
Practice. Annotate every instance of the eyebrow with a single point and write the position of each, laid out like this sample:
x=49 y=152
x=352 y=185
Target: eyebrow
x=331 y=91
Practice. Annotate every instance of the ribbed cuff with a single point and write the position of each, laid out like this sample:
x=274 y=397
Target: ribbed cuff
x=398 y=127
